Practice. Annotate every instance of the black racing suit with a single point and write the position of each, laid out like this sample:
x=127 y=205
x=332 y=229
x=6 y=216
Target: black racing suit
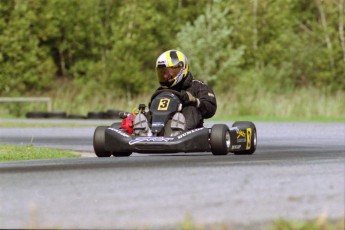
x=205 y=107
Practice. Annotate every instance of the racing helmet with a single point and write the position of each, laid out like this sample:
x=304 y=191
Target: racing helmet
x=171 y=68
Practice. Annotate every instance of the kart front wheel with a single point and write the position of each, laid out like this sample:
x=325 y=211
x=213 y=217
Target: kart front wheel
x=99 y=142
x=220 y=139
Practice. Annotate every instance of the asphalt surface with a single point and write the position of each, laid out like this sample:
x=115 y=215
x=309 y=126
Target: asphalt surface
x=296 y=173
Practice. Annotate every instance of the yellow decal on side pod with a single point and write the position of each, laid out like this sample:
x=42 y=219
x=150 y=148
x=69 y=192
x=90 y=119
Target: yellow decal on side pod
x=249 y=138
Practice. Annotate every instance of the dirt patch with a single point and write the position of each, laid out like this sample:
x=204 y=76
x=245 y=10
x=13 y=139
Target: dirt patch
x=86 y=154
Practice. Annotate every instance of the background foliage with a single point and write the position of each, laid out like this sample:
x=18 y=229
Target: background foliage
x=110 y=46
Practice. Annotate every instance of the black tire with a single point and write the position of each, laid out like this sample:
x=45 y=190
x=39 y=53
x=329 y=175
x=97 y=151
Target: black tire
x=220 y=139
x=95 y=115
x=126 y=154
x=99 y=142
x=75 y=116
x=36 y=114
x=112 y=114
x=59 y=115
x=253 y=138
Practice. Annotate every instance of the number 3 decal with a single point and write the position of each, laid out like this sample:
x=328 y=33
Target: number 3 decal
x=163 y=104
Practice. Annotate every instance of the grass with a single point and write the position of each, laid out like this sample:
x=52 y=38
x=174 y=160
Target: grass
x=318 y=224
x=321 y=223
x=24 y=124
x=29 y=152
x=188 y=223
x=278 y=119
x=300 y=105
x=307 y=104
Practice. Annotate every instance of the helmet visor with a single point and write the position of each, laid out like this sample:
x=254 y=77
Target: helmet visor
x=168 y=74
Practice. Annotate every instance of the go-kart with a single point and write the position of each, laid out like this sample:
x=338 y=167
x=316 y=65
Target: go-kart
x=119 y=139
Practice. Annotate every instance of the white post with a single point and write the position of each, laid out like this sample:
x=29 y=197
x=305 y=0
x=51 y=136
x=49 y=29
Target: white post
x=29 y=99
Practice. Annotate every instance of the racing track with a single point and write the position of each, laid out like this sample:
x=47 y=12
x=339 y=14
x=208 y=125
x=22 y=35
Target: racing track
x=297 y=172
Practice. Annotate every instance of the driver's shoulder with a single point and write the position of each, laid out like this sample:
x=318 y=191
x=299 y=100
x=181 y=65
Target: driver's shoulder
x=195 y=81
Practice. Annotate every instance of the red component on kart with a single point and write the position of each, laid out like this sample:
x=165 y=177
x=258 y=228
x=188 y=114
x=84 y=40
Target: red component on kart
x=127 y=123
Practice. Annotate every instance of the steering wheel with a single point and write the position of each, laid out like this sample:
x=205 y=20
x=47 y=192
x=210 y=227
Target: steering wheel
x=177 y=93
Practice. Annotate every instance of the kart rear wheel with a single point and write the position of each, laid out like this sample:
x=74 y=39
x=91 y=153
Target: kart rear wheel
x=220 y=139
x=99 y=142
x=253 y=138
x=126 y=154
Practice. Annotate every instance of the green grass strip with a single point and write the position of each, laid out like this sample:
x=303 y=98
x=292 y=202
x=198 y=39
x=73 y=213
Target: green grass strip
x=321 y=223
x=23 y=124
x=29 y=152
x=279 y=119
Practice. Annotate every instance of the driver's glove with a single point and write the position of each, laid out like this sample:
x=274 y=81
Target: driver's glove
x=188 y=99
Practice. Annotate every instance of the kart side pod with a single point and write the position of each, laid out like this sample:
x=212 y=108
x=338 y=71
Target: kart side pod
x=117 y=141
x=243 y=138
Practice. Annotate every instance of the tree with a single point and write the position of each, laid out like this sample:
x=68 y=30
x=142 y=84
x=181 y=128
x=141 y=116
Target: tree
x=111 y=45
x=207 y=43
x=24 y=66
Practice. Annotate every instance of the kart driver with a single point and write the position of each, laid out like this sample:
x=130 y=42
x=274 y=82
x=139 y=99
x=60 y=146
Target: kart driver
x=198 y=99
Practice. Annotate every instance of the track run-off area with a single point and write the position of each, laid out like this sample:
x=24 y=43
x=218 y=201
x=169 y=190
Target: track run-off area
x=296 y=173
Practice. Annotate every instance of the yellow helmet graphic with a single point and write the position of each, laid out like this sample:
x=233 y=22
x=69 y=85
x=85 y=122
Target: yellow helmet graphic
x=171 y=68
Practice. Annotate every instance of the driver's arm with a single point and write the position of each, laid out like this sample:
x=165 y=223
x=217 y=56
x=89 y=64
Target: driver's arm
x=207 y=100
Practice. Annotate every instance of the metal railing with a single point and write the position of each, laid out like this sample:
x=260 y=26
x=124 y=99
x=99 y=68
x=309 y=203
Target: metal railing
x=29 y=99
